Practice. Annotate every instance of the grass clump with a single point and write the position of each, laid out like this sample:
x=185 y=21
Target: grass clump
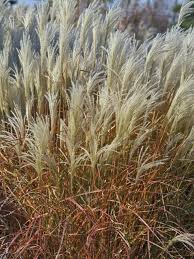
x=96 y=136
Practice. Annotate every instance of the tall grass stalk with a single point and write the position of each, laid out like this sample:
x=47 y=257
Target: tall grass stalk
x=96 y=136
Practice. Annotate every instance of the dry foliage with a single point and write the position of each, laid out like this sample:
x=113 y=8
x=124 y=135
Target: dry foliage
x=96 y=137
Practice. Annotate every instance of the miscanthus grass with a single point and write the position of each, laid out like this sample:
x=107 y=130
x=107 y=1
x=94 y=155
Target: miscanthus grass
x=96 y=136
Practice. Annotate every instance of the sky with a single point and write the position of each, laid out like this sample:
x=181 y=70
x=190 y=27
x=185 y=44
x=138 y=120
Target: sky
x=25 y=1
